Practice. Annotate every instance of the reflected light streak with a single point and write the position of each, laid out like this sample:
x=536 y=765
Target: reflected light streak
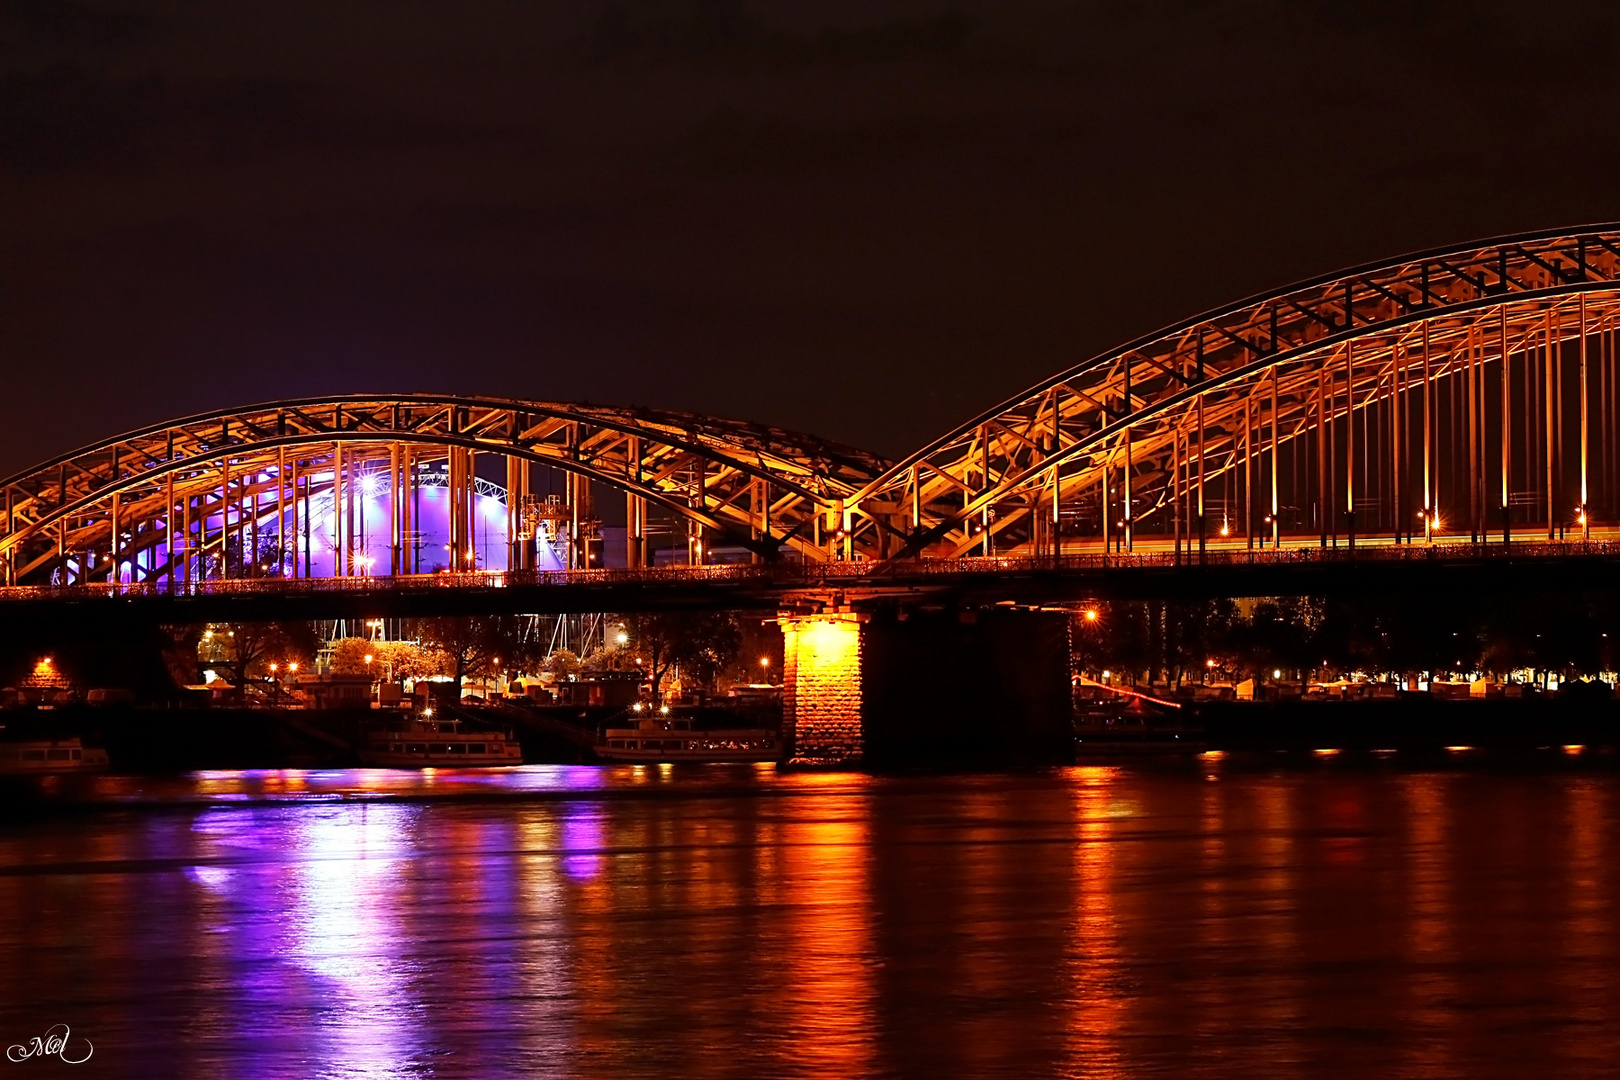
x=1588 y=985
x=583 y=837
x=1278 y=934
x=1430 y=915
x=828 y=957
x=1097 y=1009
x=336 y=927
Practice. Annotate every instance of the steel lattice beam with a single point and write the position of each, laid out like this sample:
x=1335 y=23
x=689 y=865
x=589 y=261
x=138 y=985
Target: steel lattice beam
x=1125 y=418
x=717 y=473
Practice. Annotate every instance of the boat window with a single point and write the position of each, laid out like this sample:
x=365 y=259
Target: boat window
x=75 y=755
x=33 y=755
x=415 y=748
x=476 y=748
x=57 y=753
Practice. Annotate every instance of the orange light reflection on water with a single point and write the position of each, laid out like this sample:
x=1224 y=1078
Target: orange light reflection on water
x=828 y=958
x=1429 y=922
x=1089 y=922
x=1097 y=1009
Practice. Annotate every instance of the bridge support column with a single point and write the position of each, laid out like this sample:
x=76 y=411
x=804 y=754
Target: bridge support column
x=518 y=548
x=635 y=531
x=899 y=687
x=821 y=692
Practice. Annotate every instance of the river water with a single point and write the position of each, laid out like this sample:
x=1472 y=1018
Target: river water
x=694 y=922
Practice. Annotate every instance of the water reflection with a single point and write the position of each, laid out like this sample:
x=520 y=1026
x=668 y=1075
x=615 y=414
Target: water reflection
x=827 y=956
x=1098 y=1001
x=306 y=908
x=1096 y=922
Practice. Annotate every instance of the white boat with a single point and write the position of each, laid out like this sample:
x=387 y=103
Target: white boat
x=39 y=757
x=417 y=743
x=676 y=740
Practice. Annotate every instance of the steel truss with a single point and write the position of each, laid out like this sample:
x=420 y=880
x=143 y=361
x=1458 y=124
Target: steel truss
x=1365 y=404
x=1460 y=393
x=207 y=484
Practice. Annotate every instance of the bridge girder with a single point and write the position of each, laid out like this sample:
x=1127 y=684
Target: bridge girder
x=762 y=487
x=1165 y=418
x=1456 y=364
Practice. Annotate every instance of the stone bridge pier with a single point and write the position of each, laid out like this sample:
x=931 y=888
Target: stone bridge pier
x=893 y=686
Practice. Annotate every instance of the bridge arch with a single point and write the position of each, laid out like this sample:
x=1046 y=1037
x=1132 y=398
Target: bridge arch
x=1461 y=391
x=172 y=499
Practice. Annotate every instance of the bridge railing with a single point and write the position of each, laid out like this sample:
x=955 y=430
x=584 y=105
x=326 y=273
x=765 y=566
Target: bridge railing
x=814 y=575
x=1444 y=551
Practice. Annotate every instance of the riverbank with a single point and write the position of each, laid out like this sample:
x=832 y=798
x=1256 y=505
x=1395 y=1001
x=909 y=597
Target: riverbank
x=1410 y=723
x=157 y=741
x=154 y=741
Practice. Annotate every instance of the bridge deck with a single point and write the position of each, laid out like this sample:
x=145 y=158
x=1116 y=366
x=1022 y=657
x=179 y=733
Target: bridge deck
x=1259 y=572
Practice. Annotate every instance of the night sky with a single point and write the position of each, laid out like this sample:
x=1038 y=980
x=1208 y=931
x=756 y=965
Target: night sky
x=866 y=220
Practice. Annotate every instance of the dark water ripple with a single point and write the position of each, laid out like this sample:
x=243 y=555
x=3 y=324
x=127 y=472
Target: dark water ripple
x=733 y=922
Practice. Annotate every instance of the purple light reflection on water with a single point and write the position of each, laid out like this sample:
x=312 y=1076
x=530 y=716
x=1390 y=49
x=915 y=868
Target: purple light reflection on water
x=250 y=786
x=583 y=837
x=304 y=912
x=372 y=922
x=1100 y=923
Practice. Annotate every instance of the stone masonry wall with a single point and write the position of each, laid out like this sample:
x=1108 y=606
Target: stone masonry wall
x=822 y=689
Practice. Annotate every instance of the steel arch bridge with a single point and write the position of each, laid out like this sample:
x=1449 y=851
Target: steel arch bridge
x=1459 y=391
x=173 y=502
x=1462 y=393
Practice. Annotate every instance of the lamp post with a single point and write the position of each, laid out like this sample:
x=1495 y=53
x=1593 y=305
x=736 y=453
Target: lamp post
x=1090 y=623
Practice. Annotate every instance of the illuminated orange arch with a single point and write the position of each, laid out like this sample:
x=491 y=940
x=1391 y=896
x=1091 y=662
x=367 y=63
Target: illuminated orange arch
x=757 y=486
x=1210 y=404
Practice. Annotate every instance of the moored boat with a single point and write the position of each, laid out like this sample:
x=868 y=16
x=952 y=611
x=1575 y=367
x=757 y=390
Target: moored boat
x=677 y=739
x=419 y=742
x=39 y=757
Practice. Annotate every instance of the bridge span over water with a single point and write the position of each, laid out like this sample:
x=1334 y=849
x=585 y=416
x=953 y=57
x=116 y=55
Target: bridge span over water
x=1437 y=570
x=1467 y=394
x=1445 y=420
